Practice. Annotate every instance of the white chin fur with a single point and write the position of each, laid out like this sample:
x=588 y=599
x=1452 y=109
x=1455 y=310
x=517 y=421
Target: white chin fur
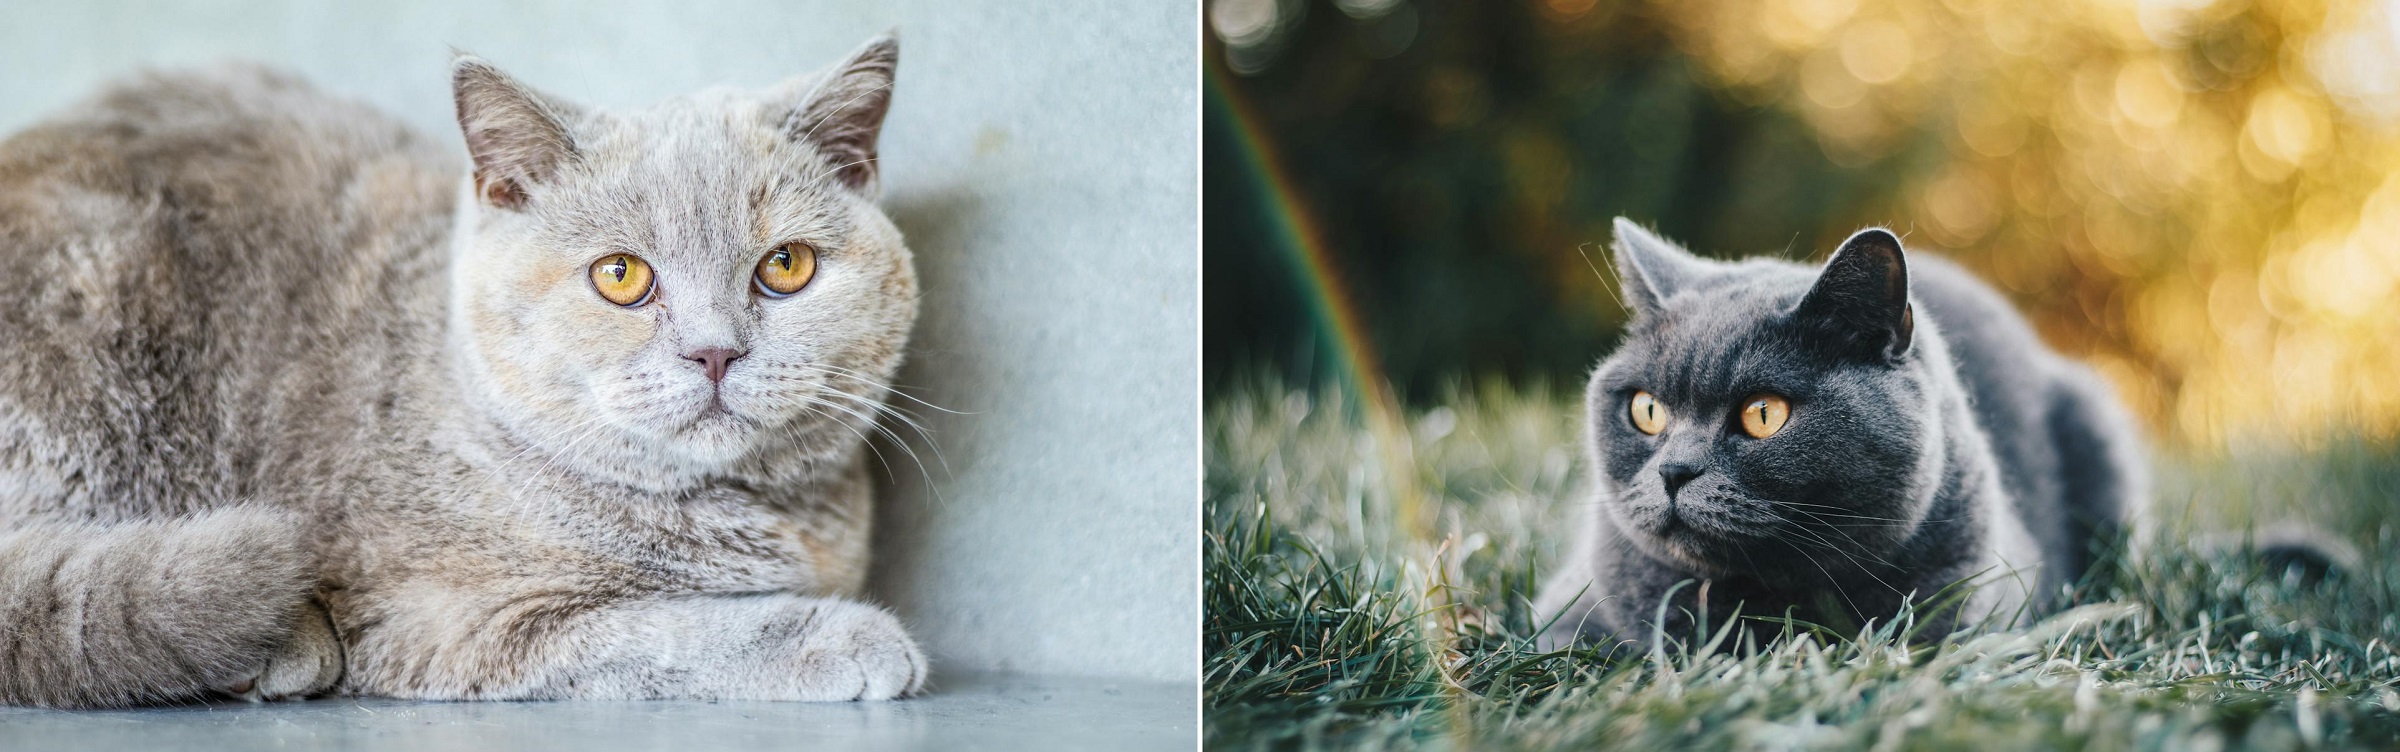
x=692 y=427
x=717 y=438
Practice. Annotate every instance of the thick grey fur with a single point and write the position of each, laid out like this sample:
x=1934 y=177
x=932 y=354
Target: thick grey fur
x=1932 y=440
x=291 y=402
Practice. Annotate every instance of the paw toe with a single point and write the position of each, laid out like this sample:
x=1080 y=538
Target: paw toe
x=311 y=662
x=866 y=650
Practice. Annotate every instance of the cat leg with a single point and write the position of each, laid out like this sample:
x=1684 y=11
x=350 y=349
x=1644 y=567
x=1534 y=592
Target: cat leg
x=775 y=647
x=562 y=645
x=2104 y=476
x=154 y=611
x=1570 y=599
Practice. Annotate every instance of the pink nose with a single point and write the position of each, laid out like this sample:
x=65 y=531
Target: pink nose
x=715 y=359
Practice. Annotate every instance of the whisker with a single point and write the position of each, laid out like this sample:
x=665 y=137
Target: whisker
x=873 y=425
x=862 y=438
x=894 y=389
x=1847 y=554
x=924 y=433
x=880 y=407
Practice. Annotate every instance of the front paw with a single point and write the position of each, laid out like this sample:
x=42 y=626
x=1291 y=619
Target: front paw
x=853 y=651
x=308 y=664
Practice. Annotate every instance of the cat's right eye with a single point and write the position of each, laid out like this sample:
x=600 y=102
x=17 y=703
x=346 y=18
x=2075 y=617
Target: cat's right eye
x=1648 y=415
x=623 y=279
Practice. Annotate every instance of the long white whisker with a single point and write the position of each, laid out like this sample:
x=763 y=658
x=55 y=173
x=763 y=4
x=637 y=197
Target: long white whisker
x=862 y=438
x=880 y=407
x=883 y=409
x=873 y=425
x=892 y=388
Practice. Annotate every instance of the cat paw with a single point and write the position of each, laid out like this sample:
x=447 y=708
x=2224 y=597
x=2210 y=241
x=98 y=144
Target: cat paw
x=854 y=651
x=308 y=664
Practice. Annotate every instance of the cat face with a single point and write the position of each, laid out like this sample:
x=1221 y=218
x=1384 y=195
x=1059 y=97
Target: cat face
x=1763 y=418
x=666 y=294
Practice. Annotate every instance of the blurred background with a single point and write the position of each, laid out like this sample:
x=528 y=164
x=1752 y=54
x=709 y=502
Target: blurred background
x=2201 y=198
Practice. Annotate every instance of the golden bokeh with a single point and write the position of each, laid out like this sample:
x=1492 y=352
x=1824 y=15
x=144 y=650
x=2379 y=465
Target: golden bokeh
x=2200 y=198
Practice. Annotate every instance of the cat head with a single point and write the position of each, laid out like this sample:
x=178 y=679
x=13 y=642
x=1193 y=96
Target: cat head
x=1763 y=417
x=700 y=287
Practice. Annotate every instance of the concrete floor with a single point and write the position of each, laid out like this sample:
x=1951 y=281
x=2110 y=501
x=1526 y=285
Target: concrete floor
x=967 y=712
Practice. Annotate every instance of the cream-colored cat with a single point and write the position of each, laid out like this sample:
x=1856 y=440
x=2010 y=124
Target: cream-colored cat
x=288 y=403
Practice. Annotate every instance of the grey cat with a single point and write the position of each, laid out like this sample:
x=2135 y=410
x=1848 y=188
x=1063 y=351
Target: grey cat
x=292 y=403
x=1827 y=443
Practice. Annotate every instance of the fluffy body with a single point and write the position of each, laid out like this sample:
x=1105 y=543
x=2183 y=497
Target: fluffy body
x=1932 y=441
x=275 y=357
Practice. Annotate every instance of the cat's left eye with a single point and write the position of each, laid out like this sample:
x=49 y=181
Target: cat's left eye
x=1764 y=414
x=786 y=269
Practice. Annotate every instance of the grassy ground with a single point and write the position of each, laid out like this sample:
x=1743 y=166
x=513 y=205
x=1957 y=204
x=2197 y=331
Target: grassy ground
x=1337 y=617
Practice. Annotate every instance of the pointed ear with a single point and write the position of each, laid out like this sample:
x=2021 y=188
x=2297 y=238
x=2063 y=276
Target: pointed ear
x=842 y=113
x=1650 y=268
x=517 y=136
x=1859 y=305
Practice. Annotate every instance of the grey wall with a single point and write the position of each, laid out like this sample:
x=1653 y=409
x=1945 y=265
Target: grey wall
x=1041 y=156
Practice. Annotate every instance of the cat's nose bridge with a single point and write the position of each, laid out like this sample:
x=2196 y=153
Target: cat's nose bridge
x=705 y=324
x=1680 y=459
x=1686 y=443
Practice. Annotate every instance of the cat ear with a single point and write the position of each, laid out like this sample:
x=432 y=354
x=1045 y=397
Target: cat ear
x=517 y=136
x=1651 y=268
x=1860 y=302
x=842 y=114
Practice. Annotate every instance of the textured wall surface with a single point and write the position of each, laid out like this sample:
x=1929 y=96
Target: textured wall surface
x=1041 y=157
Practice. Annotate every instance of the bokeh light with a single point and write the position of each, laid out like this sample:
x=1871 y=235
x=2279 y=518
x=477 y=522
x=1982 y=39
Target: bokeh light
x=2200 y=197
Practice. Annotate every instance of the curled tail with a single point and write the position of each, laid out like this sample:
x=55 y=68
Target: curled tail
x=2301 y=553
x=115 y=615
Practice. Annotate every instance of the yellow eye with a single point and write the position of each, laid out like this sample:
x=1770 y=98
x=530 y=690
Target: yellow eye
x=1648 y=415
x=1764 y=414
x=622 y=279
x=787 y=269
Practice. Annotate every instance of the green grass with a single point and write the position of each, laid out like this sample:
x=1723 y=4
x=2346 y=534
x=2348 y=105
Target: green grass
x=1335 y=620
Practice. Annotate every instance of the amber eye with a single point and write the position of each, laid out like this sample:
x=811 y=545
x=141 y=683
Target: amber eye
x=1764 y=414
x=622 y=279
x=1648 y=415
x=786 y=269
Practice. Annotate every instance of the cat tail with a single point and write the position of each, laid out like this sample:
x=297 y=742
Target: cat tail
x=2299 y=552
x=113 y=615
